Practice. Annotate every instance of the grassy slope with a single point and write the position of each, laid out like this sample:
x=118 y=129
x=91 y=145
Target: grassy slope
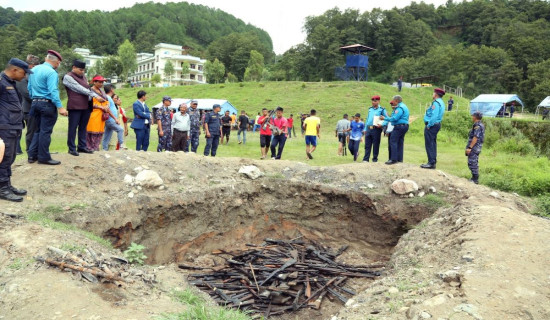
x=332 y=100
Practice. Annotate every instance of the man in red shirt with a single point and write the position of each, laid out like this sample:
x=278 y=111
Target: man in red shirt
x=265 y=132
x=280 y=127
x=290 y=121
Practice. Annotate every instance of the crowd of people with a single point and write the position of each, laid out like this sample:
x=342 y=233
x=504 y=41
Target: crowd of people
x=29 y=97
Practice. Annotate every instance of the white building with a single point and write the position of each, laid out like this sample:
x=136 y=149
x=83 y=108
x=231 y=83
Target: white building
x=89 y=58
x=149 y=64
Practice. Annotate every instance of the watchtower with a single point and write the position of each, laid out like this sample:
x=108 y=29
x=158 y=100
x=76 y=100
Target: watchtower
x=357 y=63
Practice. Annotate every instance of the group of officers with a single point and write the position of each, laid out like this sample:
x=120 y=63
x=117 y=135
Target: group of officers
x=395 y=125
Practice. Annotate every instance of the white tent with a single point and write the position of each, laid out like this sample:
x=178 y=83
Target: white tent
x=544 y=105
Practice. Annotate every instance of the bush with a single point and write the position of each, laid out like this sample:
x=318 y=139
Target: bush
x=542 y=206
x=134 y=253
x=517 y=144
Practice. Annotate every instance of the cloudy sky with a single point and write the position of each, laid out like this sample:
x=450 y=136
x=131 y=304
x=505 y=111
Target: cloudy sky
x=282 y=19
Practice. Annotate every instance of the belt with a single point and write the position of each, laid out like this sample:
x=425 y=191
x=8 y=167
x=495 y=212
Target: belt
x=41 y=99
x=180 y=130
x=434 y=123
x=401 y=125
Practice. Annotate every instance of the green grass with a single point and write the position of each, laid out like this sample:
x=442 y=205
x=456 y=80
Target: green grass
x=527 y=174
x=430 y=201
x=20 y=263
x=47 y=222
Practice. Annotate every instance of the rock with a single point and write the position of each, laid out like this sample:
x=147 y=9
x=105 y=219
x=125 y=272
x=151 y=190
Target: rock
x=425 y=315
x=119 y=162
x=432 y=189
x=404 y=186
x=435 y=301
x=469 y=309
x=149 y=178
x=494 y=194
x=107 y=156
x=145 y=167
x=421 y=194
x=441 y=173
x=350 y=302
x=162 y=187
x=393 y=290
x=451 y=275
x=370 y=186
x=138 y=169
x=411 y=195
x=468 y=258
x=251 y=172
x=128 y=179
x=130 y=195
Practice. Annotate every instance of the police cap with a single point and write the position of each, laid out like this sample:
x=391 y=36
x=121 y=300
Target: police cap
x=20 y=64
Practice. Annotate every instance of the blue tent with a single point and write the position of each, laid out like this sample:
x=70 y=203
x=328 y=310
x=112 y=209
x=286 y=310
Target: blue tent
x=494 y=105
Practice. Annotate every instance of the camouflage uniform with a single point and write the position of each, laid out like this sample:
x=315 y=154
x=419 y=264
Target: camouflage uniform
x=478 y=130
x=195 y=131
x=165 y=142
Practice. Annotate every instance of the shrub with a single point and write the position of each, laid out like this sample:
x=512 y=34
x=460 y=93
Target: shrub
x=542 y=206
x=134 y=253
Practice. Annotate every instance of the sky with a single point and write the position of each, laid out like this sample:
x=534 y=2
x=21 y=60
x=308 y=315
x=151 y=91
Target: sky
x=282 y=19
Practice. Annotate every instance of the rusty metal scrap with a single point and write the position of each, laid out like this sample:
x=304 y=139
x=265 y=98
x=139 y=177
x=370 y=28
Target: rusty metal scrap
x=279 y=276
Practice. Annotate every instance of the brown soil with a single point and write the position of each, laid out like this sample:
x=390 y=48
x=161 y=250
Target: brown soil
x=496 y=251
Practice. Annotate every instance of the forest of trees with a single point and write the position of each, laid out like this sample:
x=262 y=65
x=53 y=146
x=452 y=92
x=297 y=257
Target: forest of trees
x=482 y=46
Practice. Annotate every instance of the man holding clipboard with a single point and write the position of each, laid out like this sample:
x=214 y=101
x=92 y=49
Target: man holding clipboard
x=373 y=129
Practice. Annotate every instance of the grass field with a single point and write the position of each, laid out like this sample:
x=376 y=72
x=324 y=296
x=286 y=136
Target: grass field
x=499 y=169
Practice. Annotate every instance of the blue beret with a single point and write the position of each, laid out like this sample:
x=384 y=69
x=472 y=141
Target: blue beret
x=216 y=106
x=20 y=64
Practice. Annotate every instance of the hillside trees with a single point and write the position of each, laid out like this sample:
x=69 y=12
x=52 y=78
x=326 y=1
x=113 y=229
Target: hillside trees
x=215 y=71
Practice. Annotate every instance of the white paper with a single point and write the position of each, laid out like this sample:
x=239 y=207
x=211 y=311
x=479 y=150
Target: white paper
x=376 y=121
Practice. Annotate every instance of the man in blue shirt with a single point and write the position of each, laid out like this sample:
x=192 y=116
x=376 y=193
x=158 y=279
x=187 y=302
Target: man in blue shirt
x=213 y=131
x=112 y=124
x=356 y=129
x=432 y=120
x=399 y=119
x=11 y=125
x=45 y=106
x=373 y=129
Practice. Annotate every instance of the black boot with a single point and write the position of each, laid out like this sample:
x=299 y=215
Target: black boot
x=7 y=194
x=19 y=192
x=475 y=178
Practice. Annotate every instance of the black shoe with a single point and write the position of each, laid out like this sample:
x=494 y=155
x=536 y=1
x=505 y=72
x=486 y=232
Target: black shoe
x=50 y=162
x=374 y=160
x=19 y=192
x=391 y=162
x=19 y=153
x=427 y=166
x=32 y=160
x=74 y=153
x=7 y=194
x=85 y=151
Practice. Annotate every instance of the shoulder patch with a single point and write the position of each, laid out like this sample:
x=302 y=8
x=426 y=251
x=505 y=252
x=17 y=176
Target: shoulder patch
x=476 y=127
x=10 y=88
x=396 y=112
x=433 y=107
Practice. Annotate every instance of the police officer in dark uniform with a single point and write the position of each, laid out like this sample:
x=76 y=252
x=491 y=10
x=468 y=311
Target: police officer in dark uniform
x=195 y=126
x=475 y=142
x=11 y=125
x=373 y=132
x=213 y=130
x=26 y=101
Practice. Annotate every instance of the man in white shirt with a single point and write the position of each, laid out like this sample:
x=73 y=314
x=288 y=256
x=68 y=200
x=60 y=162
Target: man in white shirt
x=181 y=125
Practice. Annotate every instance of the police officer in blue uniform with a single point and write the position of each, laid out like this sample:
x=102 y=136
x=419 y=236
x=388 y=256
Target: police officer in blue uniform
x=373 y=133
x=213 y=130
x=432 y=120
x=473 y=147
x=195 y=127
x=11 y=125
x=399 y=119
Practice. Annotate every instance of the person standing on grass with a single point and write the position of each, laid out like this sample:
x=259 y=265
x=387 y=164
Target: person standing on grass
x=142 y=121
x=100 y=113
x=290 y=121
x=265 y=132
x=113 y=123
x=256 y=123
x=342 y=129
x=373 y=131
x=312 y=128
x=181 y=124
x=399 y=119
x=279 y=134
x=432 y=120
x=115 y=144
x=357 y=130
x=473 y=147
x=243 y=127
x=46 y=105
x=227 y=121
x=195 y=127
x=303 y=117
x=26 y=101
x=512 y=109
x=213 y=131
x=11 y=126
x=164 y=124
x=450 y=104
x=388 y=128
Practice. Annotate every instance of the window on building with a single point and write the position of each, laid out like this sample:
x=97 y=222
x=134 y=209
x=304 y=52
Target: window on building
x=157 y=69
x=200 y=67
x=152 y=65
x=192 y=76
x=200 y=78
x=193 y=66
x=157 y=58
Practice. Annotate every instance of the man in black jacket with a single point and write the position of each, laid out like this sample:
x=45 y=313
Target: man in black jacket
x=26 y=102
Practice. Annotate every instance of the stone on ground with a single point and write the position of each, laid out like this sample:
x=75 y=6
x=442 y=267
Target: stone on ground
x=404 y=186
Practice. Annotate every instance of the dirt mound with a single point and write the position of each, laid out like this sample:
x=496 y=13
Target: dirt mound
x=458 y=252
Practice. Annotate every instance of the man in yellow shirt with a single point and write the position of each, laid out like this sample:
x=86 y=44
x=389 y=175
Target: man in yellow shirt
x=312 y=127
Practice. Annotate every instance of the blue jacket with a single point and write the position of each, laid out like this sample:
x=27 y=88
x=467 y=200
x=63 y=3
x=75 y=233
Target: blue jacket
x=43 y=84
x=141 y=113
x=400 y=115
x=434 y=114
x=375 y=113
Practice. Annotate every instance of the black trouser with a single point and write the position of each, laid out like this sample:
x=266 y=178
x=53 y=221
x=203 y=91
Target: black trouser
x=30 y=123
x=372 y=139
x=278 y=140
x=45 y=115
x=179 y=141
x=354 y=148
x=10 y=138
x=397 y=141
x=78 y=121
x=212 y=145
x=430 y=142
x=389 y=146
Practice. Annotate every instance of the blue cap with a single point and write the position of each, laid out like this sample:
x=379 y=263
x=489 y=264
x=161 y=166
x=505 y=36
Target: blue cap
x=20 y=64
x=216 y=106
